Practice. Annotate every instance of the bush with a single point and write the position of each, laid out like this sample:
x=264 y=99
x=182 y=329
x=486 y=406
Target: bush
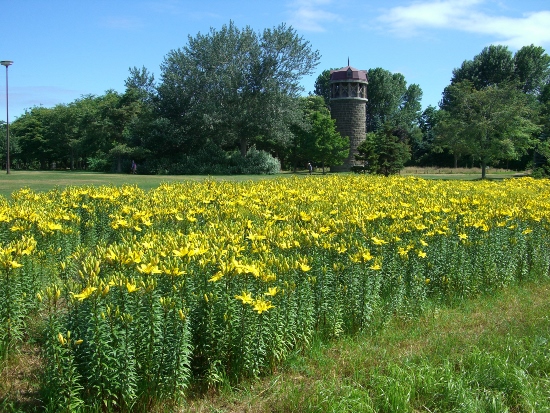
x=212 y=160
x=99 y=164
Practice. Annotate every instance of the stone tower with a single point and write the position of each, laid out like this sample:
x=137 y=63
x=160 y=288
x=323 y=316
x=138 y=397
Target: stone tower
x=348 y=105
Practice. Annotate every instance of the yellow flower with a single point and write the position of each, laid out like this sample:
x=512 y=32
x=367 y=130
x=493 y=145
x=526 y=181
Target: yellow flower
x=304 y=267
x=86 y=292
x=341 y=249
x=174 y=271
x=182 y=252
x=245 y=297
x=272 y=291
x=421 y=254
x=256 y=237
x=216 y=277
x=261 y=306
x=305 y=217
x=463 y=237
x=52 y=226
x=131 y=287
x=148 y=269
x=527 y=231
x=366 y=256
x=378 y=241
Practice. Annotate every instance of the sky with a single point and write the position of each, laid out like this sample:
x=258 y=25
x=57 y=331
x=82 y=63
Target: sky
x=64 y=49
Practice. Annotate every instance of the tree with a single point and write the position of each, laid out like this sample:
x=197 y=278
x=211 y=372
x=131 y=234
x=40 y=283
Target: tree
x=493 y=66
x=532 y=69
x=494 y=123
x=541 y=155
x=31 y=131
x=316 y=138
x=322 y=86
x=328 y=146
x=448 y=135
x=385 y=151
x=424 y=148
x=391 y=101
x=235 y=87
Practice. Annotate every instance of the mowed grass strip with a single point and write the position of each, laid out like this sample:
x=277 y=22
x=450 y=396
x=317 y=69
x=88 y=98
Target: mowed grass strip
x=491 y=354
x=41 y=181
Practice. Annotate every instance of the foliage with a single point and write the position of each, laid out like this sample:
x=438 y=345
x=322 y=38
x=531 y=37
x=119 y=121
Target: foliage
x=322 y=86
x=494 y=123
x=328 y=146
x=316 y=137
x=424 y=146
x=384 y=152
x=211 y=160
x=392 y=101
x=495 y=65
x=235 y=87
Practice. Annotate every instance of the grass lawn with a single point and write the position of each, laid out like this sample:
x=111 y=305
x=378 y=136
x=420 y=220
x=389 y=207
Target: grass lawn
x=46 y=180
x=488 y=354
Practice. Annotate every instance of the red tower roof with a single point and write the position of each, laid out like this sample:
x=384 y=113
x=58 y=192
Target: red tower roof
x=348 y=73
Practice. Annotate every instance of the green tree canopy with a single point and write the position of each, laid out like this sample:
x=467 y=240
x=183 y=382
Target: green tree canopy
x=532 y=69
x=322 y=86
x=494 y=123
x=529 y=68
x=392 y=101
x=494 y=65
x=385 y=151
x=316 y=137
x=235 y=87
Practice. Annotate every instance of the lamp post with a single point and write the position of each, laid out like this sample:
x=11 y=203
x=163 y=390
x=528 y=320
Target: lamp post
x=7 y=63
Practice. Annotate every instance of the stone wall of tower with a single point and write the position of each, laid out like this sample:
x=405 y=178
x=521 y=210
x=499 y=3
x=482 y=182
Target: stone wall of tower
x=350 y=116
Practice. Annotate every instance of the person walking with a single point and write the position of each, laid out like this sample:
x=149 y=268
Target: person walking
x=134 y=168
x=310 y=167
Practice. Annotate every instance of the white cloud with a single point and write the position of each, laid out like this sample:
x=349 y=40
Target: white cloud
x=311 y=15
x=467 y=16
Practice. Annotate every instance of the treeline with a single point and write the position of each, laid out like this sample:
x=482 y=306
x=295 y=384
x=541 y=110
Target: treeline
x=495 y=112
x=229 y=102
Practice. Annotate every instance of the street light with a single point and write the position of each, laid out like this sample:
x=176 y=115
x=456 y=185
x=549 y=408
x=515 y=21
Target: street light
x=7 y=63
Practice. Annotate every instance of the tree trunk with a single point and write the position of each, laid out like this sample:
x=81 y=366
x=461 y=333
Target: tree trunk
x=244 y=146
x=483 y=169
x=456 y=160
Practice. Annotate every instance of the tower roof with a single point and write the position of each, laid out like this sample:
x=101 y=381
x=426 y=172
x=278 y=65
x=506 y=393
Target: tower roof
x=348 y=73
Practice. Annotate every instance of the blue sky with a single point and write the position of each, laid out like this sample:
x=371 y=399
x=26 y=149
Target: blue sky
x=65 y=49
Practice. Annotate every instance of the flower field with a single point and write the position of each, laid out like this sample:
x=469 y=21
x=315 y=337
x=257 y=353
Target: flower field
x=143 y=293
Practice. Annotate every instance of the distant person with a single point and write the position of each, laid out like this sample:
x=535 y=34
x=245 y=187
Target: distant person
x=310 y=167
x=134 y=168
